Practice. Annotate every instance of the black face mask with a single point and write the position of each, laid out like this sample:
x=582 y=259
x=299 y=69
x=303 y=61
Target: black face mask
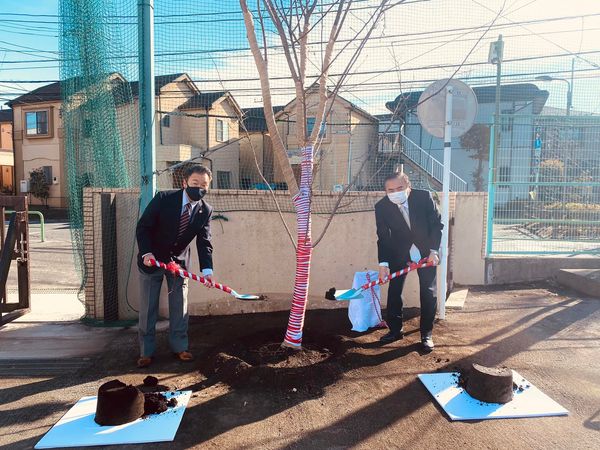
x=195 y=193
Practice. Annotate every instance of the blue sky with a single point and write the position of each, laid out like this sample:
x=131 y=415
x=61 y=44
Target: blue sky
x=203 y=38
x=19 y=36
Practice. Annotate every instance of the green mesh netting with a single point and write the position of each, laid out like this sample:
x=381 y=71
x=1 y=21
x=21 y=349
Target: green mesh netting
x=98 y=44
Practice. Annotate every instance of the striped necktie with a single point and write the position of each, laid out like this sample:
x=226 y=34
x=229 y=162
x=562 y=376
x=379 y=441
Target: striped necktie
x=185 y=220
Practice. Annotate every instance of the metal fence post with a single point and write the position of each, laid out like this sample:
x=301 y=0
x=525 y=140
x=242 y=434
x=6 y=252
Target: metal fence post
x=491 y=195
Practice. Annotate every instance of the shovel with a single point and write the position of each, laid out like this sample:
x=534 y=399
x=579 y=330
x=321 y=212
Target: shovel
x=351 y=294
x=175 y=269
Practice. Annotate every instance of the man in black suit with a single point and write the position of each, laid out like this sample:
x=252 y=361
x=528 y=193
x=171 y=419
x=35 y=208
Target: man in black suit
x=409 y=228
x=165 y=231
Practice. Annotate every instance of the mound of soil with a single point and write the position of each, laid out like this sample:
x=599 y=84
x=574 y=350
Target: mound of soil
x=118 y=403
x=259 y=359
x=155 y=403
x=488 y=384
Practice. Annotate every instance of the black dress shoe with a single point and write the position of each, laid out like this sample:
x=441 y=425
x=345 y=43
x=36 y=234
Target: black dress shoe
x=391 y=337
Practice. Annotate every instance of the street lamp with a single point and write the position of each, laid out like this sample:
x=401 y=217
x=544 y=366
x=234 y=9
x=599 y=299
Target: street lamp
x=569 y=89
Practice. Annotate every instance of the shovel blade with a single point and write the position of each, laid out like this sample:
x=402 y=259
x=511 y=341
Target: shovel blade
x=247 y=297
x=348 y=294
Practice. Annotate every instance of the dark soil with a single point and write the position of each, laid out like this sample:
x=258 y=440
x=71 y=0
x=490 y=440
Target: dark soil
x=150 y=381
x=156 y=403
x=259 y=360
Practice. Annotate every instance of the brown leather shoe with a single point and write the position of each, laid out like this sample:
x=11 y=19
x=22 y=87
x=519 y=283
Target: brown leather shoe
x=144 y=361
x=184 y=356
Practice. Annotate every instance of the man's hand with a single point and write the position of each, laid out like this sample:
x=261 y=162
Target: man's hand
x=147 y=259
x=209 y=281
x=384 y=272
x=433 y=258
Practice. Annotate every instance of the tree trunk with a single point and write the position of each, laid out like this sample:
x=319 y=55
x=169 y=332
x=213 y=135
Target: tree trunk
x=302 y=202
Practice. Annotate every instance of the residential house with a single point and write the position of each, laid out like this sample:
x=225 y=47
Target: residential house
x=518 y=103
x=38 y=141
x=184 y=130
x=257 y=163
x=210 y=124
x=6 y=152
x=348 y=137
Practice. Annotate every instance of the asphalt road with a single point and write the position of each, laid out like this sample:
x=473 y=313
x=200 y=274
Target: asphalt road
x=51 y=262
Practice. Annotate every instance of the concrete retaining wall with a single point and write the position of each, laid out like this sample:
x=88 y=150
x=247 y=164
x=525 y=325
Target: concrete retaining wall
x=253 y=254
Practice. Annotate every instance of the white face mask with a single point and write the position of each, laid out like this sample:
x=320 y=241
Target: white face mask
x=399 y=197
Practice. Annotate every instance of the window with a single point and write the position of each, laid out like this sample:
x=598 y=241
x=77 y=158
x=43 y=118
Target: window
x=166 y=121
x=36 y=123
x=47 y=174
x=222 y=131
x=507 y=119
x=223 y=179
x=310 y=124
x=503 y=176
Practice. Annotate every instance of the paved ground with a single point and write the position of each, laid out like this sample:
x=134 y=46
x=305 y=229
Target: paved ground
x=515 y=238
x=46 y=274
x=550 y=336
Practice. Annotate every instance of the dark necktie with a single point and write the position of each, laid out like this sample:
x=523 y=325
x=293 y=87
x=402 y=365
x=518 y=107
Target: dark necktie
x=185 y=219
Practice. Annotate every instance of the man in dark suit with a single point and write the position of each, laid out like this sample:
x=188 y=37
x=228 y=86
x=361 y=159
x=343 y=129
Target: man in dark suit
x=409 y=228
x=165 y=231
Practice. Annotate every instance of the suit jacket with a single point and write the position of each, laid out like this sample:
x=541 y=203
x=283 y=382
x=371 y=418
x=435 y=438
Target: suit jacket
x=157 y=230
x=395 y=238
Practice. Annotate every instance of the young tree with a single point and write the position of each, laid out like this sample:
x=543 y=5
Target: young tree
x=293 y=21
x=38 y=185
x=477 y=140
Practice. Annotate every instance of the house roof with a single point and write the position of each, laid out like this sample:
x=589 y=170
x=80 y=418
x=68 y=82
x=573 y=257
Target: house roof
x=315 y=87
x=47 y=93
x=52 y=92
x=160 y=81
x=485 y=94
x=6 y=115
x=203 y=100
x=254 y=118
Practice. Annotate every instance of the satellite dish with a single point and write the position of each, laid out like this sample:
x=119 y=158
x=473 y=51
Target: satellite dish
x=431 y=109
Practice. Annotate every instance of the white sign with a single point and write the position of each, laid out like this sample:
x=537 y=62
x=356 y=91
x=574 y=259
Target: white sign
x=432 y=108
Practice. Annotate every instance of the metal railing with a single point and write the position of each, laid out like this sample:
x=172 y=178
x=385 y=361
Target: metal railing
x=36 y=213
x=389 y=142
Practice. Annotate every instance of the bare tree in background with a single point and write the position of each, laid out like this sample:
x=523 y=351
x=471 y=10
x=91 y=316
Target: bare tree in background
x=294 y=20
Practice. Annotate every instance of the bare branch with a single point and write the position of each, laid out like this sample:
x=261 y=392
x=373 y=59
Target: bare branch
x=273 y=13
x=262 y=29
x=326 y=64
x=287 y=229
x=261 y=66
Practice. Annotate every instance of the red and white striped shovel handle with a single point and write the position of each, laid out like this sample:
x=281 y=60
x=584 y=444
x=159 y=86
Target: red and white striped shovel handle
x=185 y=274
x=409 y=268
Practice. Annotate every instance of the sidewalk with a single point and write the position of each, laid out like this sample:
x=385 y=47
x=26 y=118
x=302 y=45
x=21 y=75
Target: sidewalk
x=50 y=339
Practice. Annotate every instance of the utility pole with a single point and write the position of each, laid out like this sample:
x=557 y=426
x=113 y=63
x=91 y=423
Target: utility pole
x=146 y=101
x=497 y=59
x=570 y=91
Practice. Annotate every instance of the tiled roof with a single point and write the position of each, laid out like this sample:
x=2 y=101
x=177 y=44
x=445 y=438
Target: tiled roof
x=52 y=92
x=202 y=101
x=254 y=118
x=6 y=115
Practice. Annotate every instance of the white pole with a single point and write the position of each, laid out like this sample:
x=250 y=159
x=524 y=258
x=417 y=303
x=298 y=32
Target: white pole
x=443 y=272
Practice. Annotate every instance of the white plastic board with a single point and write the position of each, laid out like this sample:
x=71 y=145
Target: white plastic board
x=459 y=405
x=78 y=429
